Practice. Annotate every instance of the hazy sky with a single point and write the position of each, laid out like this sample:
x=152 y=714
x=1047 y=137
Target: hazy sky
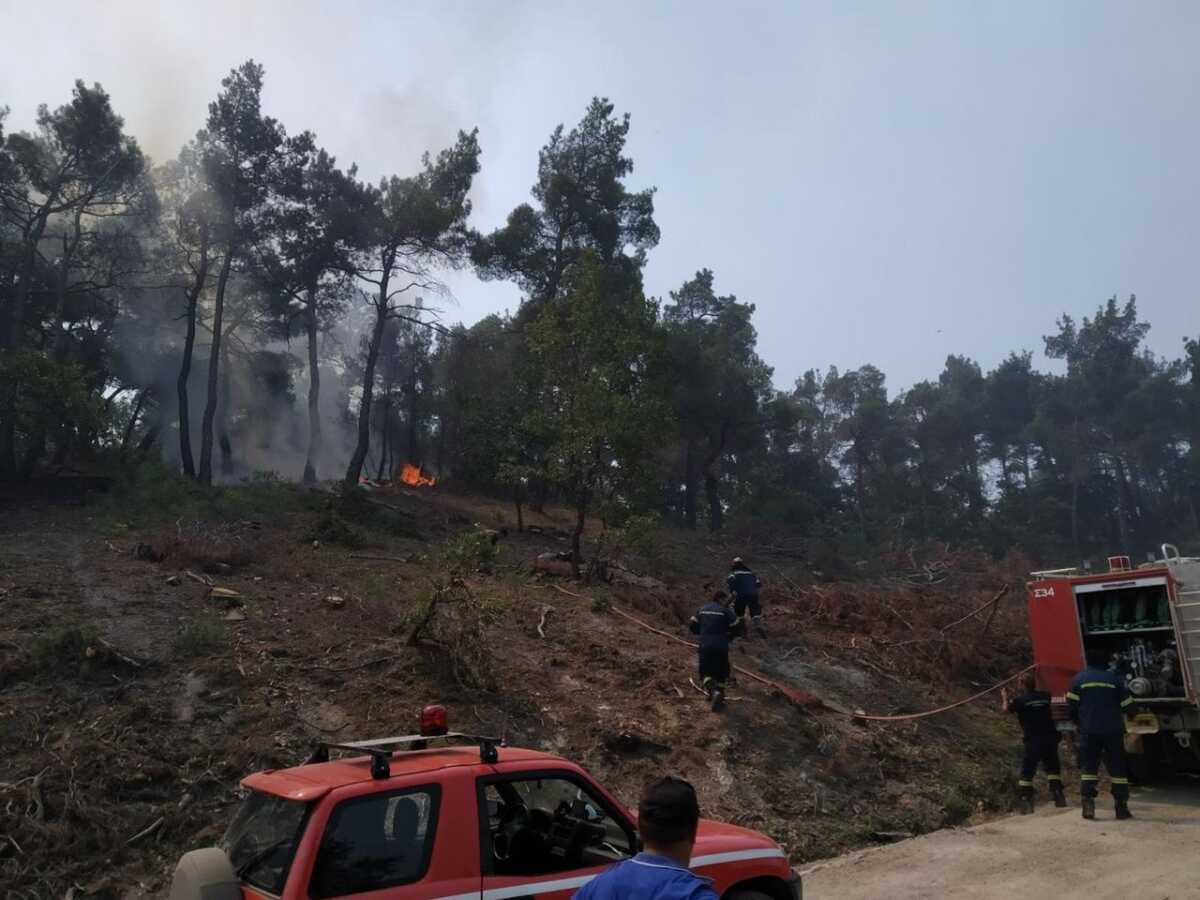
x=888 y=182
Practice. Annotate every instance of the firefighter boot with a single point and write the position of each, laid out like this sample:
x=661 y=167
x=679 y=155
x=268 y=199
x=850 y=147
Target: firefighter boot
x=1060 y=799
x=1089 y=807
x=1123 y=812
x=718 y=697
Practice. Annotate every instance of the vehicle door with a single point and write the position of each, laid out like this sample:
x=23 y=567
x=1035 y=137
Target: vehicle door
x=403 y=843
x=545 y=833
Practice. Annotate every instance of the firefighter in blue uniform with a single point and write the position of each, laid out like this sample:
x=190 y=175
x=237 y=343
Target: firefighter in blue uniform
x=668 y=817
x=717 y=626
x=744 y=585
x=1032 y=708
x=1098 y=699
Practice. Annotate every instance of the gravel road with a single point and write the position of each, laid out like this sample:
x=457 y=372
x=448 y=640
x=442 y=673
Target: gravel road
x=1053 y=853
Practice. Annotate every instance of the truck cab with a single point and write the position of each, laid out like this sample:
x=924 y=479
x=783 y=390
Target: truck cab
x=445 y=815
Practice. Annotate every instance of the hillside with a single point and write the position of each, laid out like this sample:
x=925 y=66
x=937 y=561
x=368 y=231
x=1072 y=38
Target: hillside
x=132 y=701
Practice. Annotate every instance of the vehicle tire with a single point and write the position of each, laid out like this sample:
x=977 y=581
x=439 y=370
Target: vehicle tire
x=749 y=895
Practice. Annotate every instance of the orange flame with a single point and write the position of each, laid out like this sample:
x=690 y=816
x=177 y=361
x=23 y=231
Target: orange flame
x=411 y=474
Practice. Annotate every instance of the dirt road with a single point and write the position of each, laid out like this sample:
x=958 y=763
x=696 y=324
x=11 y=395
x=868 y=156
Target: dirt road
x=1053 y=853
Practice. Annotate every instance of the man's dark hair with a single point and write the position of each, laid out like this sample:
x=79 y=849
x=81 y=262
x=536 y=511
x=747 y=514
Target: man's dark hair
x=668 y=812
x=720 y=597
x=1029 y=681
x=1097 y=658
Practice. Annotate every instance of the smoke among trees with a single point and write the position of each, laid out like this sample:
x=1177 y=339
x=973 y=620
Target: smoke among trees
x=251 y=305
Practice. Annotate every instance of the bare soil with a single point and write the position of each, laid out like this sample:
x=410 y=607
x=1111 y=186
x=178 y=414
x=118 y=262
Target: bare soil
x=132 y=702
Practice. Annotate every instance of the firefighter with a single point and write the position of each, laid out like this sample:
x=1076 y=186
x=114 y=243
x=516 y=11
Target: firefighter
x=717 y=626
x=1098 y=699
x=1032 y=708
x=668 y=817
x=744 y=585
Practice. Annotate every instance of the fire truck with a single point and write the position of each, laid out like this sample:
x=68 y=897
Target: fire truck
x=450 y=816
x=1147 y=619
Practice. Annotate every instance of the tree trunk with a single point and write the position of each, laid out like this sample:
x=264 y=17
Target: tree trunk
x=224 y=403
x=716 y=515
x=690 y=478
x=1122 y=504
x=383 y=437
x=16 y=306
x=354 y=470
x=185 y=366
x=133 y=420
x=214 y=363
x=314 y=392
x=581 y=508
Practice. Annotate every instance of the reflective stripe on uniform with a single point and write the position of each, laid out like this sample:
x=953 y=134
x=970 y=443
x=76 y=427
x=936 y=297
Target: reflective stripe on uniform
x=1120 y=781
x=1024 y=783
x=1072 y=696
x=1054 y=778
x=1088 y=684
x=1086 y=777
x=711 y=612
x=1126 y=701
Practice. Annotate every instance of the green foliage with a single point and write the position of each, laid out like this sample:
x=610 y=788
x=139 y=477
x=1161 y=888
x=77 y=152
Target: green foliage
x=470 y=552
x=64 y=652
x=331 y=528
x=202 y=638
x=603 y=399
x=39 y=395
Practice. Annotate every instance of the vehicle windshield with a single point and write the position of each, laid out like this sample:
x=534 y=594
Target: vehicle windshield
x=262 y=838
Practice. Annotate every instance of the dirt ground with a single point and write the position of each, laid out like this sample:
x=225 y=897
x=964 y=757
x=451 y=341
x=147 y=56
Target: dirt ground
x=132 y=702
x=1053 y=853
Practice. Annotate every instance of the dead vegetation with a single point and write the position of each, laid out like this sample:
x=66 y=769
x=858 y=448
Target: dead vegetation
x=138 y=693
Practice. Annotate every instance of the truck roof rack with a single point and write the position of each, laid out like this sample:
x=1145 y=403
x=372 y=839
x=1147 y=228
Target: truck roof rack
x=1070 y=570
x=381 y=749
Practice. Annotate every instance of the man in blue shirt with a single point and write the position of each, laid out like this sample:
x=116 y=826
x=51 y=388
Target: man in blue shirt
x=1098 y=699
x=668 y=816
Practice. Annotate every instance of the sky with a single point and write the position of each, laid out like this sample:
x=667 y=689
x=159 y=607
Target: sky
x=888 y=183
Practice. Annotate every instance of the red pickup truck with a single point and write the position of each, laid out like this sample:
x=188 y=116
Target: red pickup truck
x=469 y=818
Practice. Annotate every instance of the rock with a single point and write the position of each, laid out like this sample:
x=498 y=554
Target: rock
x=235 y=615
x=218 y=568
x=333 y=601
x=173 y=580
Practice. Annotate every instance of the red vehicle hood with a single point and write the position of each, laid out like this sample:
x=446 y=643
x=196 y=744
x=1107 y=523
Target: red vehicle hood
x=716 y=839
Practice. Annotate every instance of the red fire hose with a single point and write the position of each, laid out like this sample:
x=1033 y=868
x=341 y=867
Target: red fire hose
x=804 y=698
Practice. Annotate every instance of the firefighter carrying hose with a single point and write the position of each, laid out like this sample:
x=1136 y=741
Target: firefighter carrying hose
x=1098 y=699
x=717 y=626
x=744 y=585
x=1032 y=708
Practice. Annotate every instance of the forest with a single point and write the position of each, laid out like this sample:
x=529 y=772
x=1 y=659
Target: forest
x=253 y=307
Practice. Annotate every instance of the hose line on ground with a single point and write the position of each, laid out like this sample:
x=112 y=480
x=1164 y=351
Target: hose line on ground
x=804 y=698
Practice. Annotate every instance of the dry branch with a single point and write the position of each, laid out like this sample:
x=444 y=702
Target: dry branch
x=541 y=629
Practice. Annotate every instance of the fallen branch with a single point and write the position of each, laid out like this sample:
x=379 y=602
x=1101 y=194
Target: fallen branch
x=129 y=661
x=202 y=579
x=399 y=559
x=35 y=797
x=541 y=629
x=362 y=665
x=146 y=832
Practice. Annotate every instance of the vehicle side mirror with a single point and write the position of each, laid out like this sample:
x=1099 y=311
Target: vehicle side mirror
x=205 y=875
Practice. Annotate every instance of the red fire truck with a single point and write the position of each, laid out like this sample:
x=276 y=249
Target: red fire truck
x=1147 y=619
x=468 y=818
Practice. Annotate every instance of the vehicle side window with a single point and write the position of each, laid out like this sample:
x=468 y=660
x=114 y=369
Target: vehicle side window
x=375 y=842
x=542 y=825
